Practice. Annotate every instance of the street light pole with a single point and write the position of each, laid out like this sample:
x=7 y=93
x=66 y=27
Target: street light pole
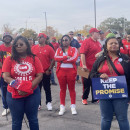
x=95 y=11
x=46 y=21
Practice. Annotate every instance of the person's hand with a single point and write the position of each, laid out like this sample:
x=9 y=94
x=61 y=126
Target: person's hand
x=104 y=76
x=48 y=72
x=85 y=68
x=21 y=93
x=129 y=102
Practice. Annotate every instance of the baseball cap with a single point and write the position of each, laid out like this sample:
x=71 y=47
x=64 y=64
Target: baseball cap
x=6 y=34
x=101 y=32
x=42 y=34
x=93 y=30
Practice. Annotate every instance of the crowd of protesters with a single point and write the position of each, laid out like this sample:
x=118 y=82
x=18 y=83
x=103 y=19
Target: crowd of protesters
x=25 y=68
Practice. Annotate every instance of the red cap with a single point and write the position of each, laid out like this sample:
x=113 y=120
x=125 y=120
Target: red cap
x=93 y=30
x=54 y=38
x=42 y=34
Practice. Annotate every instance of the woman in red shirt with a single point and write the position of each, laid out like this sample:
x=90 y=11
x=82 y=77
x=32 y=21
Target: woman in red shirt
x=23 y=72
x=103 y=69
x=66 y=57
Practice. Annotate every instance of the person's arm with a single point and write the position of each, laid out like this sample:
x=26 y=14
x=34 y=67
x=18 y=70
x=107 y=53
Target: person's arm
x=0 y=65
x=72 y=58
x=59 y=58
x=83 y=60
x=51 y=66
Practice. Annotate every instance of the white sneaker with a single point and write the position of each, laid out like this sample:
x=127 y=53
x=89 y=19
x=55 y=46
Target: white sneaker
x=62 y=110
x=49 y=106
x=39 y=108
x=5 y=112
x=73 y=109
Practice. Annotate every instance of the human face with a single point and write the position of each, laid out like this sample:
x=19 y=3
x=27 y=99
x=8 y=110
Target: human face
x=7 y=39
x=95 y=35
x=41 y=39
x=71 y=35
x=30 y=42
x=65 y=42
x=53 y=40
x=21 y=47
x=102 y=36
x=112 y=45
x=128 y=38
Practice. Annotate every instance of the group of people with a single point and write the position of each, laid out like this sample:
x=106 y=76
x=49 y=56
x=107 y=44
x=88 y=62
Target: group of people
x=26 y=68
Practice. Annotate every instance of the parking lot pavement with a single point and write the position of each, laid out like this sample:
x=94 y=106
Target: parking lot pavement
x=88 y=117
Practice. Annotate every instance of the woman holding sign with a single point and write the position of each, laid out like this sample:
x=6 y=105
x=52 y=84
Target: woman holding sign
x=113 y=63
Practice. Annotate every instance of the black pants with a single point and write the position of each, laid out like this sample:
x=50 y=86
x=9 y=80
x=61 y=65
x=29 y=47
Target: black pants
x=87 y=83
x=47 y=87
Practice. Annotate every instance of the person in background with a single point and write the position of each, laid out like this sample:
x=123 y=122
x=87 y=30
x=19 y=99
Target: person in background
x=103 y=69
x=54 y=43
x=66 y=57
x=46 y=55
x=31 y=42
x=52 y=72
x=75 y=43
x=88 y=50
x=79 y=38
x=102 y=38
x=59 y=41
x=23 y=72
x=5 y=51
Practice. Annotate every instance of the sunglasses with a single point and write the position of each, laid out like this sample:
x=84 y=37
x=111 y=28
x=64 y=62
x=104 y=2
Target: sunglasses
x=21 y=44
x=40 y=37
x=65 y=40
x=71 y=34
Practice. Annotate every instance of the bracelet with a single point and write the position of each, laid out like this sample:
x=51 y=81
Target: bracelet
x=11 y=82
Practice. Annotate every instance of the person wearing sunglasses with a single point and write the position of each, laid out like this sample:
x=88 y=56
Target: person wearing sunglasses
x=5 y=50
x=46 y=55
x=23 y=72
x=66 y=57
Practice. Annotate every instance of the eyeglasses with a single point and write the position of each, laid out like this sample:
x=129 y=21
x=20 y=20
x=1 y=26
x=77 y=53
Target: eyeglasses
x=65 y=40
x=21 y=44
x=40 y=37
x=71 y=34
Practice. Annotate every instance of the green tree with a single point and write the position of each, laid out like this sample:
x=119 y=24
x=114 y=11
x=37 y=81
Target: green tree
x=117 y=24
x=29 y=33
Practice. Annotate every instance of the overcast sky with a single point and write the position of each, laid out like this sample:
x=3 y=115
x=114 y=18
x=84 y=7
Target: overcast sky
x=63 y=15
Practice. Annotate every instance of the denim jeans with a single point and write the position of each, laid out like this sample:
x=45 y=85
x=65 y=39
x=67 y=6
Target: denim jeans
x=119 y=107
x=3 y=86
x=28 y=105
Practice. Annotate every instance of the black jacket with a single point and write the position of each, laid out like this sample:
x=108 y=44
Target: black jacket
x=125 y=64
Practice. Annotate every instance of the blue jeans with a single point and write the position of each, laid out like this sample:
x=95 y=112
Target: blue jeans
x=3 y=85
x=119 y=107
x=28 y=105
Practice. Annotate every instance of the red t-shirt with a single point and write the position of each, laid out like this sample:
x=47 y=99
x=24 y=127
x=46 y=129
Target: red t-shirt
x=55 y=45
x=25 y=71
x=8 y=53
x=90 y=48
x=106 y=70
x=80 y=42
x=45 y=54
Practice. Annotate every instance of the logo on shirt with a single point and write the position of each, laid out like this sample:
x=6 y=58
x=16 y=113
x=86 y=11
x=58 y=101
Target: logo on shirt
x=23 y=69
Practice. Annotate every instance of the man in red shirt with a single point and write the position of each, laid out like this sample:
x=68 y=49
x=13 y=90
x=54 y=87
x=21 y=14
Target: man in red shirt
x=79 y=38
x=89 y=48
x=46 y=55
x=54 y=43
x=5 y=50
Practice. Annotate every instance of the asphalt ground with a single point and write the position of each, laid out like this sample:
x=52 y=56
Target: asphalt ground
x=88 y=117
